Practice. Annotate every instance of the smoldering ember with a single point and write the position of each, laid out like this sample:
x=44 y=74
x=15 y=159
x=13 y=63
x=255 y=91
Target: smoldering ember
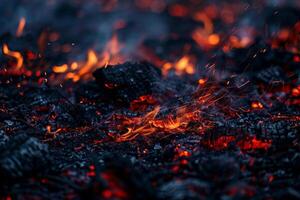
x=149 y=99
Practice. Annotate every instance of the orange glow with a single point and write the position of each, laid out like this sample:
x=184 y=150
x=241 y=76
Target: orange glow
x=237 y=42
x=21 y=27
x=115 y=189
x=256 y=105
x=141 y=126
x=90 y=63
x=254 y=143
x=166 y=67
x=296 y=59
x=60 y=69
x=205 y=40
x=214 y=39
x=169 y=123
x=208 y=24
x=221 y=142
x=178 y=10
x=204 y=36
x=74 y=65
x=151 y=123
x=83 y=70
x=184 y=154
x=184 y=65
x=111 y=53
x=14 y=54
x=201 y=81
x=142 y=103
x=283 y=34
x=72 y=76
x=296 y=91
x=247 y=143
x=48 y=128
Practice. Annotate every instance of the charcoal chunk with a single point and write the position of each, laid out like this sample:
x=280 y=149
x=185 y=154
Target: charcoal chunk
x=22 y=155
x=185 y=189
x=129 y=81
x=3 y=139
x=272 y=75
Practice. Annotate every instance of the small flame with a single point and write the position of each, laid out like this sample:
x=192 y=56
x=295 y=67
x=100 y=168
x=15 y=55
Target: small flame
x=111 y=53
x=296 y=91
x=82 y=70
x=257 y=105
x=202 y=81
x=149 y=123
x=75 y=72
x=74 y=65
x=21 y=27
x=60 y=69
x=204 y=36
x=213 y=39
x=14 y=54
x=208 y=24
x=143 y=126
x=90 y=63
x=184 y=65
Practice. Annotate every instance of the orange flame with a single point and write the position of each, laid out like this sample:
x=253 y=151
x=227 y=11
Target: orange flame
x=213 y=39
x=256 y=105
x=80 y=70
x=148 y=124
x=143 y=126
x=184 y=65
x=21 y=27
x=202 y=81
x=14 y=54
x=204 y=36
x=90 y=63
x=60 y=69
x=111 y=53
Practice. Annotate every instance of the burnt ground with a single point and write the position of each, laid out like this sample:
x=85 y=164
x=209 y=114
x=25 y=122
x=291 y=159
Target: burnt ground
x=129 y=131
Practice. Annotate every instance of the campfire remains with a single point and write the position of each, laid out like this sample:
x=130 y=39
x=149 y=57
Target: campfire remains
x=149 y=99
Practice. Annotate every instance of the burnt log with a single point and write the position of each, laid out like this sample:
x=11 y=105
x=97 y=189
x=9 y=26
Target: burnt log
x=282 y=132
x=22 y=155
x=128 y=81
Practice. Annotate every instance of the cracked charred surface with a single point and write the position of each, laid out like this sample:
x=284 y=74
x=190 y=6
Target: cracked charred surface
x=168 y=128
x=246 y=154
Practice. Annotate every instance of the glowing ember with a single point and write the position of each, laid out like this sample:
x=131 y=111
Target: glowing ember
x=142 y=103
x=83 y=70
x=150 y=123
x=254 y=143
x=194 y=99
x=296 y=91
x=184 y=65
x=21 y=27
x=14 y=54
x=90 y=63
x=214 y=39
x=202 y=81
x=60 y=69
x=111 y=52
x=247 y=143
x=257 y=105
